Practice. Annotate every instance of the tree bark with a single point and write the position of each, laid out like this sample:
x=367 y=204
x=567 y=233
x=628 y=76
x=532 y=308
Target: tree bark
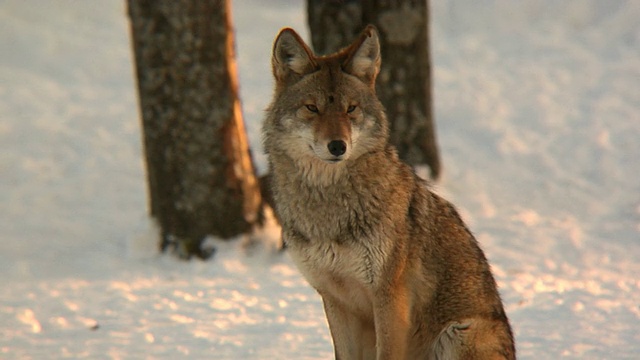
x=200 y=172
x=404 y=84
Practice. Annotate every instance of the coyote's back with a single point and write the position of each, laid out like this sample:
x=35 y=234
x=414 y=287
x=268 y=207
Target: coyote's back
x=400 y=275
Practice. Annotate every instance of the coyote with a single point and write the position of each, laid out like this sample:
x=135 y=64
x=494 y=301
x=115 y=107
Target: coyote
x=399 y=273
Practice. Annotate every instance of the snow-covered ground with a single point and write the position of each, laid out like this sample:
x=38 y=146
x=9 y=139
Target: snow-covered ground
x=538 y=115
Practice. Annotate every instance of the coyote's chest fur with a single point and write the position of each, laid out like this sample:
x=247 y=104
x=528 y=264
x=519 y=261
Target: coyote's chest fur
x=343 y=271
x=331 y=225
x=332 y=232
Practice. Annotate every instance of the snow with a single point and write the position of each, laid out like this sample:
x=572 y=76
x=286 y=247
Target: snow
x=538 y=115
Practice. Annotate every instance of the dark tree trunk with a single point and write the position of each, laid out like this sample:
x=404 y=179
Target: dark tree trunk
x=200 y=172
x=404 y=83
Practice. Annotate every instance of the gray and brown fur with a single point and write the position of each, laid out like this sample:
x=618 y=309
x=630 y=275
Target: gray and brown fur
x=400 y=275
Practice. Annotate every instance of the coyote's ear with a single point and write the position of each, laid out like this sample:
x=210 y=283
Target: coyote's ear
x=364 y=56
x=291 y=56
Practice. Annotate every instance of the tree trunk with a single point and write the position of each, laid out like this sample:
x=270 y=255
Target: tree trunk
x=404 y=83
x=200 y=172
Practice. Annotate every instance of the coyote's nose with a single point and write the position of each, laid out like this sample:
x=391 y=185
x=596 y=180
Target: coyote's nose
x=337 y=147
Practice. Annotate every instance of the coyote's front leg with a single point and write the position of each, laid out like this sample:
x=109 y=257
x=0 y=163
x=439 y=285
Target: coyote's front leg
x=392 y=323
x=347 y=330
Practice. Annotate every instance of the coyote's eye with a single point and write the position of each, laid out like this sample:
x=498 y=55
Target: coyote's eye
x=312 y=108
x=351 y=109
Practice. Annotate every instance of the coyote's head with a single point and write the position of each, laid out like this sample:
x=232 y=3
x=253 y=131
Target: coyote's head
x=325 y=107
